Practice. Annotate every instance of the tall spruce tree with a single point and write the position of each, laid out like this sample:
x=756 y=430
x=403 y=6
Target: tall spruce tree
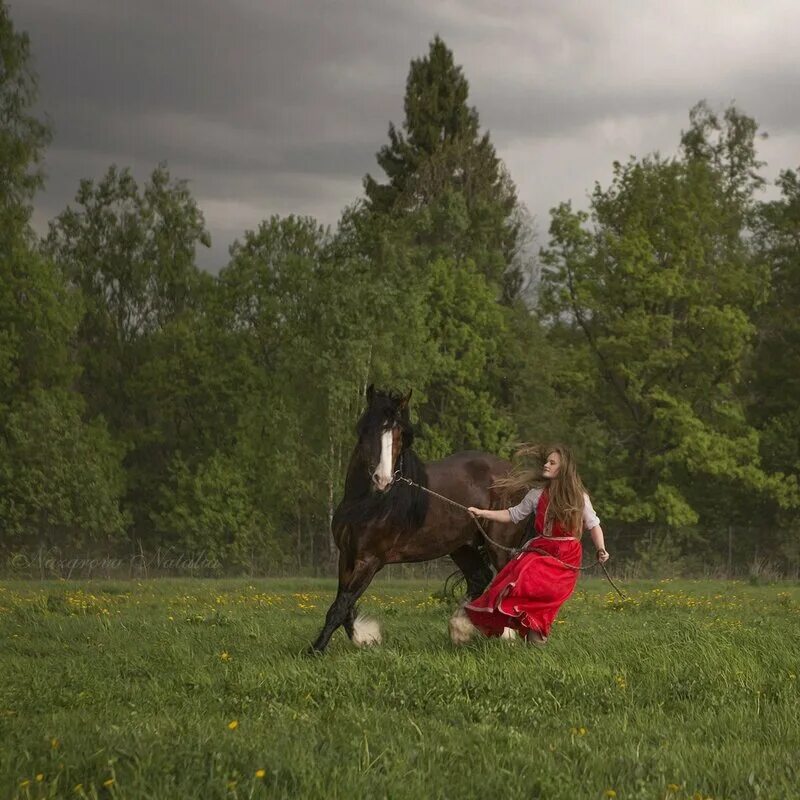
x=444 y=233
x=441 y=152
x=437 y=116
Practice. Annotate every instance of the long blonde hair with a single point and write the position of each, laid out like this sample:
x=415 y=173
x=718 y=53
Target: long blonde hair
x=566 y=490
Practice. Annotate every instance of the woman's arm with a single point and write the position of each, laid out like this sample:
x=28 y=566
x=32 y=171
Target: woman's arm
x=514 y=514
x=599 y=543
x=591 y=523
x=501 y=515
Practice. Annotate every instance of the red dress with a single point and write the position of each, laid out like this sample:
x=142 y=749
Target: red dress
x=530 y=589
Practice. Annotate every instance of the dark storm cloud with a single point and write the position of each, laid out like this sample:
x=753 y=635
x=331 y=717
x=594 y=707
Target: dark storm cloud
x=237 y=97
x=275 y=106
x=256 y=66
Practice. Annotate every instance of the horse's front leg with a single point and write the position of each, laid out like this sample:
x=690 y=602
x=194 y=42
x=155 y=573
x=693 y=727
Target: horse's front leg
x=353 y=581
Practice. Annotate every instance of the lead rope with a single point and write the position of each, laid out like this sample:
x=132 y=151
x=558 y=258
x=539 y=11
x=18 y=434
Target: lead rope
x=513 y=550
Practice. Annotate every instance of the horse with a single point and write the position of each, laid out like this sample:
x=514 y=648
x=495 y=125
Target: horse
x=383 y=521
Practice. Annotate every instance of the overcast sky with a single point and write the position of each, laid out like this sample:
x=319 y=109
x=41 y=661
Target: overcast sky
x=278 y=106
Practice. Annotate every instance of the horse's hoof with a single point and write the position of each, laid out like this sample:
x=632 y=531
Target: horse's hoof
x=461 y=628
x=366 y=631
x=312 y=650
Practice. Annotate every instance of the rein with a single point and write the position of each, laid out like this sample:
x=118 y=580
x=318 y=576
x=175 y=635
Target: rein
x=513 y=550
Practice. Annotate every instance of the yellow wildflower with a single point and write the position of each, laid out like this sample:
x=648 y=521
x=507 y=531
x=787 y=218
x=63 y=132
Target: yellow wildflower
x=39 y=777
x=54 y=743
x=610 y=793
x=109 y=783
x=260 y=773
x=673 y=787
x=24 y=784
x=225 y=656
x=233 y=724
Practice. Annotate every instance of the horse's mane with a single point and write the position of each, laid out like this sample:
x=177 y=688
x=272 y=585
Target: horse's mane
x=402 y=506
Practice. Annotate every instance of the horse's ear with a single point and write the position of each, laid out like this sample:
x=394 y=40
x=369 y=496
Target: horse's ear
x=404 y=401
x=370 y=392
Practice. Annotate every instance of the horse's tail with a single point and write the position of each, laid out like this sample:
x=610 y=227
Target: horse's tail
x=455 y=588
x=455 y=583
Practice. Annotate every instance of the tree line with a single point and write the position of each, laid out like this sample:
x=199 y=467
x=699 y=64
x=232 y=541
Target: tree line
x=145 y=403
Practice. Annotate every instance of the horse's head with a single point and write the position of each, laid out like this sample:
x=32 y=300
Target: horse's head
x=384 y=432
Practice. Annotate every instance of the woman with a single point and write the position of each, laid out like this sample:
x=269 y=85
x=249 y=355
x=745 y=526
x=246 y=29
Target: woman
x=528 y=592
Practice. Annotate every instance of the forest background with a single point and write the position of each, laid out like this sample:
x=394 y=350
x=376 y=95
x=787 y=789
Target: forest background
x=148 y=406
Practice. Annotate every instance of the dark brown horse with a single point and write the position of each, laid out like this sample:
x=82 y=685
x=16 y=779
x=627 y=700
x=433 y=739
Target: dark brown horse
x=380 y=521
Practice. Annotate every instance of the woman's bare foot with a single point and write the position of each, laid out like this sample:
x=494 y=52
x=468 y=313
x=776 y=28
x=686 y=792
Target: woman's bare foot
x=534 y=637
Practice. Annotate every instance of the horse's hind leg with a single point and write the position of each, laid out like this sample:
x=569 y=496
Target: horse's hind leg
x=475 y=569
x=353 y=581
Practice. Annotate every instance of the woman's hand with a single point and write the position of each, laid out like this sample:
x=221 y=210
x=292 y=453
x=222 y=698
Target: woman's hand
x=602 y=556
x=493 y=515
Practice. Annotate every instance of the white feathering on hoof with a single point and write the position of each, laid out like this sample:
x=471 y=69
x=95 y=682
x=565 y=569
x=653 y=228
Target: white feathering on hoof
x=366 y=631
x=510 y=634
x=461 y=628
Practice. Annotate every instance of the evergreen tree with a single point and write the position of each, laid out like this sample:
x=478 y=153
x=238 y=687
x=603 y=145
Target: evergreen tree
x=441 y=158
x=443 y=235
x=437 y=115
x=457 y=408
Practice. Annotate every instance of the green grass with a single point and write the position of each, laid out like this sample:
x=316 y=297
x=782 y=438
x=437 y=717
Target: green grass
x=688 y=689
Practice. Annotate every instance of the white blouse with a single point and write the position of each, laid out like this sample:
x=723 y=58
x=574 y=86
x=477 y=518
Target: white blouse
x=529 y=502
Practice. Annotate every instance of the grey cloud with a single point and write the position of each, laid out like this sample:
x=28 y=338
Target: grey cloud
x=278 y=106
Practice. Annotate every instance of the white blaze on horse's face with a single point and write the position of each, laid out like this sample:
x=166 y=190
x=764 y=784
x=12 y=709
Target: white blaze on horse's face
x=382 y=476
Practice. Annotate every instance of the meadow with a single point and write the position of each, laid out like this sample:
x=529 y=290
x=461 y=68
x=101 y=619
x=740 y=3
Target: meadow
x=199 y=689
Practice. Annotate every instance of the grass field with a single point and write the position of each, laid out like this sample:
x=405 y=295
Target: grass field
x=197 y=689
